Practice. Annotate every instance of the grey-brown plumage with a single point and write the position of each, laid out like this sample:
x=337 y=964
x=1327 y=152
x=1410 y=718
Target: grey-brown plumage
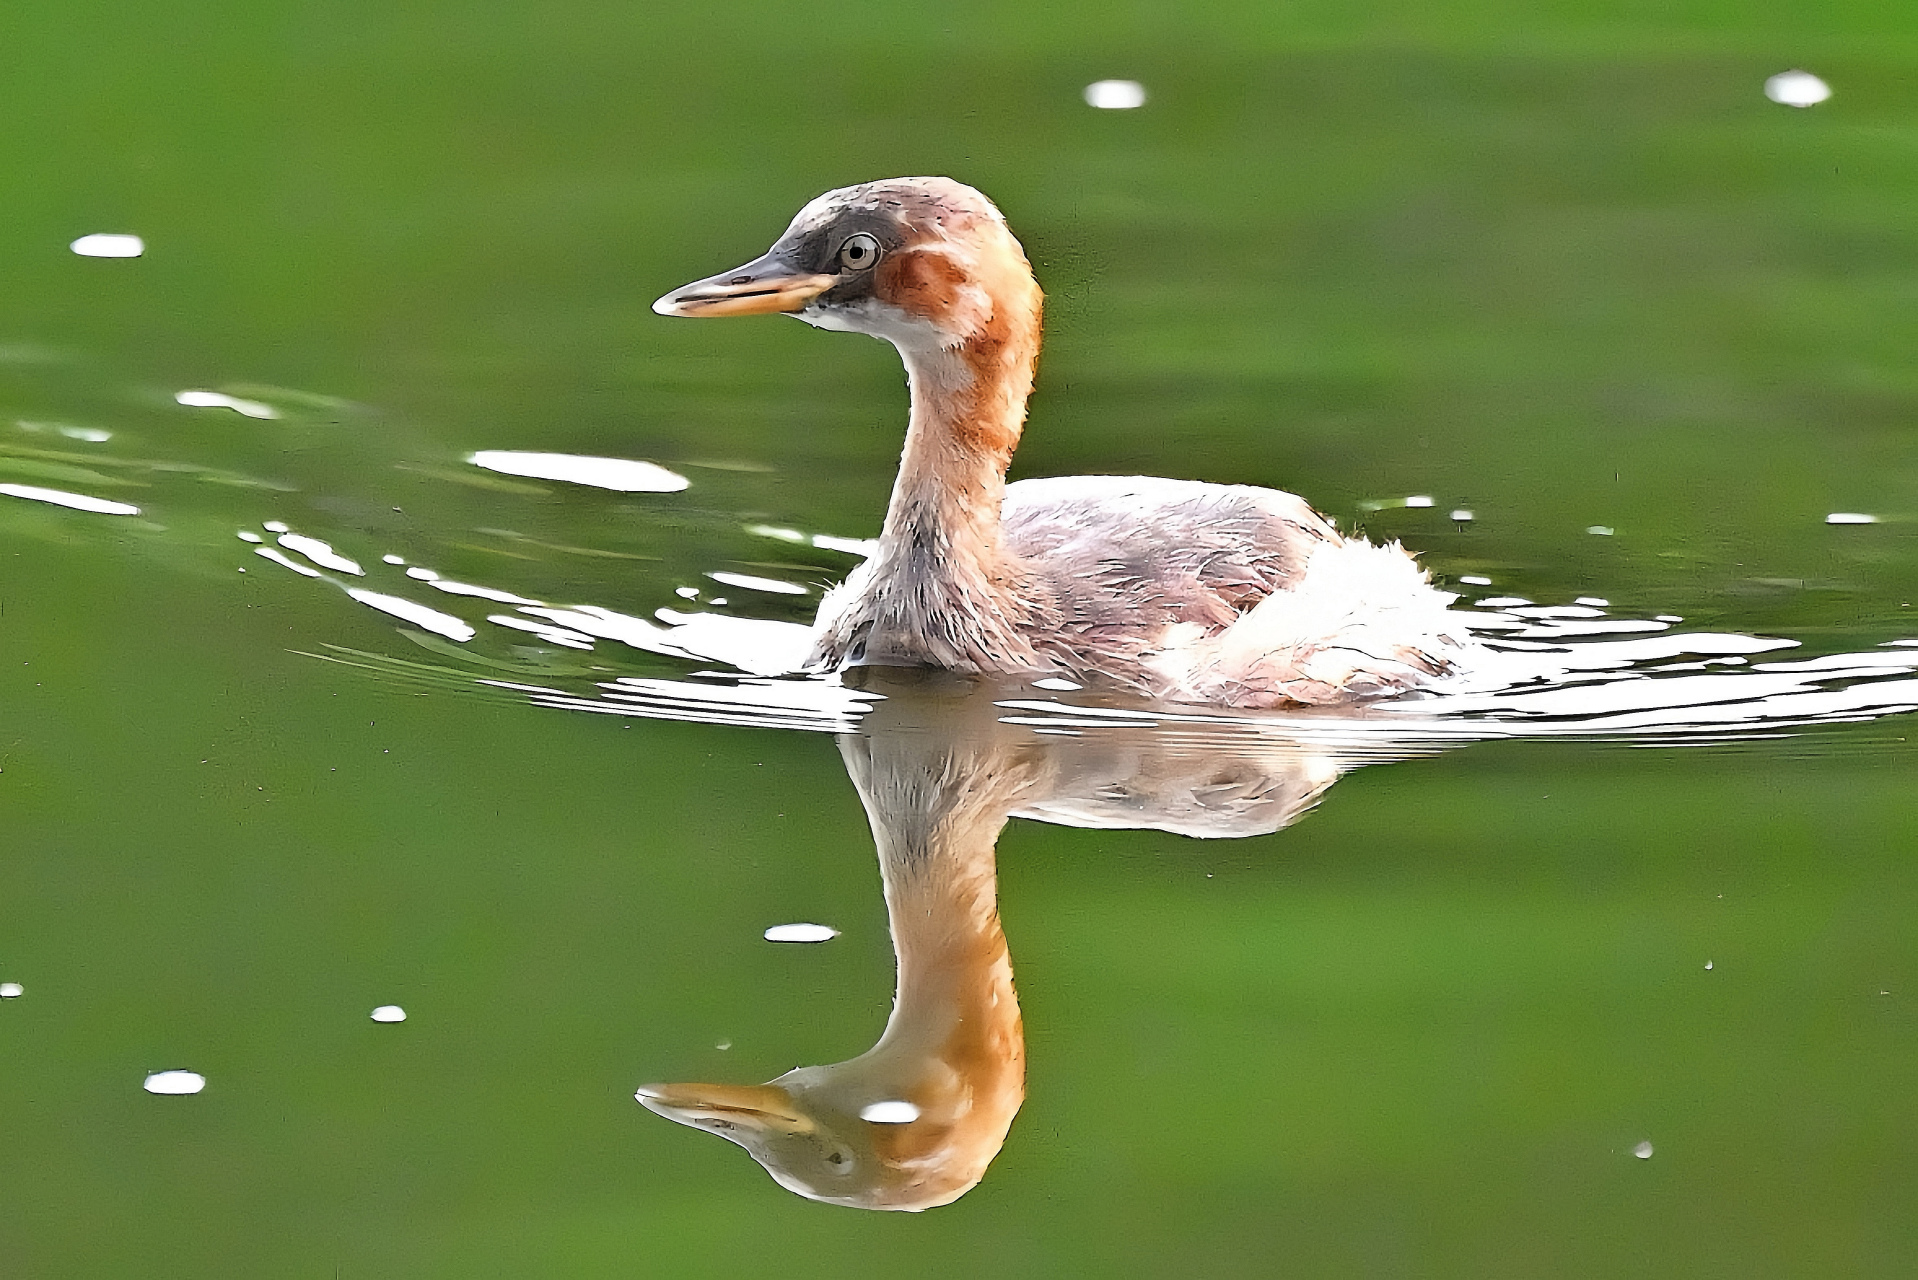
x=1190 y=592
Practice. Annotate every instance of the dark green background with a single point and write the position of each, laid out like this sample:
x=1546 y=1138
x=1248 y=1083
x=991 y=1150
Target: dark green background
x=1561 y=264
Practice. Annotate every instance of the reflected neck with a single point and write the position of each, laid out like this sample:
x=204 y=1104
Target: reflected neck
x=955 y=1013
x=954 y=1045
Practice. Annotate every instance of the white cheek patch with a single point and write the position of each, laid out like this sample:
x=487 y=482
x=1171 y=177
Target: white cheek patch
x=880 y=319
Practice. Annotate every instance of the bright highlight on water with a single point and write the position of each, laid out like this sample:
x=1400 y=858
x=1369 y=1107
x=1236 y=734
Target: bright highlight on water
x=1115 y=95
x=108 y=245
x=419 y=615
x=320 y=553
x=174 y=1082
x=220 y=400
x=749 y=582
x=76 y=501
x=801 y=933
x=1797 y=89
x=623 y=475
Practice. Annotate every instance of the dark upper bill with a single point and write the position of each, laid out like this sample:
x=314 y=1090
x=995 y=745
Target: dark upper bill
x=763 y=286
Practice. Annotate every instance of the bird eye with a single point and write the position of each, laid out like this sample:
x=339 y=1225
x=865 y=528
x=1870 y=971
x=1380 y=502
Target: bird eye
x=859 y=252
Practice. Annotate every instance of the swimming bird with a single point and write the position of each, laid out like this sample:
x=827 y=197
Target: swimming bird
x=1173 y=589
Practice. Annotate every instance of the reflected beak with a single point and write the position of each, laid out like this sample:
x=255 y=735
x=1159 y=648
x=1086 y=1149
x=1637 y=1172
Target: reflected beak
x=766 y=1108
x=765 y=285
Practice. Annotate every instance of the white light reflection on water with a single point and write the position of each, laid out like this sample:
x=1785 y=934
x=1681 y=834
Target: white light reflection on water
x=11 y=991
x=75 y=501
x=864 y=548
x=419 y=615
x=174 y=1083
x=1115 y=95
x=801 y=933
x=287 y=562
x=453 y=588
x=553 y=635
x=1796 y=89
x=108 y=244
x=1538 y=670
x=749 y=582
x=389 y=1013
x=624 y=475
x=1528 y=680
x=220 y=400
x=319 y=553
x=819 y=706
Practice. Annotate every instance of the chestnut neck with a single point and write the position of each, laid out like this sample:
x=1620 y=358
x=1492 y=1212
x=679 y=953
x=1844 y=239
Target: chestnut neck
x=968 y=410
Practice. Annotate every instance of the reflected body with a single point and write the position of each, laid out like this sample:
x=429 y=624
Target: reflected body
x=1190 y=592
x=914 y=1122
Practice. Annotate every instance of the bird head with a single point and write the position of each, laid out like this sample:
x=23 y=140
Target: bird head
x=925 y=263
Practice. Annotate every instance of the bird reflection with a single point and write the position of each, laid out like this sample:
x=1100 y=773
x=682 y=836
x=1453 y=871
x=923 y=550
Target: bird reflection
x=913 y=1122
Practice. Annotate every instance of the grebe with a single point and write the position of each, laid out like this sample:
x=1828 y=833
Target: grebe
x=1222 y=594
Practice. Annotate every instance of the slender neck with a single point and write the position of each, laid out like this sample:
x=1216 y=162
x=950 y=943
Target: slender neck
x=942 y=590
x=952 y=471
x=968 y=410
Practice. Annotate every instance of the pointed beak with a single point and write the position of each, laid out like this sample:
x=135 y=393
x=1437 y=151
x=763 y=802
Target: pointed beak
x=765 y=285
x=766 y=1108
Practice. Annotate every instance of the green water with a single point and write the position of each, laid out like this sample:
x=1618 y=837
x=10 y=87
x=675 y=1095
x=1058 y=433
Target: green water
x=1562 y=267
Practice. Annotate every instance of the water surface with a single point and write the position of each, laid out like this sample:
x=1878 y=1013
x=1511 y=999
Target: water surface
x=1568 y=273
